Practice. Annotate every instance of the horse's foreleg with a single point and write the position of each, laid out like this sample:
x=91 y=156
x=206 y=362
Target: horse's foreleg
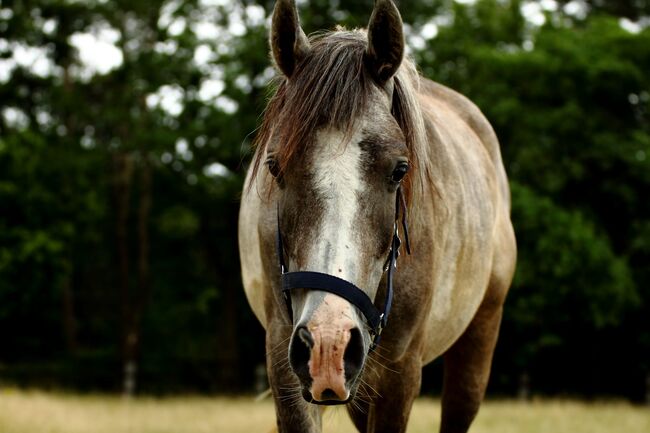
x=467 y=365
x=293 y=413
x=386 y=395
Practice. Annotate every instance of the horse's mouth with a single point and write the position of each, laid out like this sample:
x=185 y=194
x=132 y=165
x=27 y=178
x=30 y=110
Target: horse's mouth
x=306 y=394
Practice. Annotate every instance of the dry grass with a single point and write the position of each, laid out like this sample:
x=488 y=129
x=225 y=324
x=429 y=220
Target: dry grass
x=41 y=412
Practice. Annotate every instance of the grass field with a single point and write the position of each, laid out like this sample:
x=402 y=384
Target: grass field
x=41 y=412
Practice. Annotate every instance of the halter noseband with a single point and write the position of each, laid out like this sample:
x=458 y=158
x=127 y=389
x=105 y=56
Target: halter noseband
x=375 y=318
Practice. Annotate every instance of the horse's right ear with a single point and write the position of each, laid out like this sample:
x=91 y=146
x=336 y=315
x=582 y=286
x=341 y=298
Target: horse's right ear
x=385 y=41
x=289 y=44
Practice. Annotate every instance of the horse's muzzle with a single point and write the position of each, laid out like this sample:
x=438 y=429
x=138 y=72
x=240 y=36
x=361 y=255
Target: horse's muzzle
x=327 y=360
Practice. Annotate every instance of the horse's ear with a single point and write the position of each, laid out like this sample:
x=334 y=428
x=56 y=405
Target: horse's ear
x=385 y=41
x=289 y=43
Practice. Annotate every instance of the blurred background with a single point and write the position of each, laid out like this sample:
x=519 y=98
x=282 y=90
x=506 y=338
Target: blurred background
x=125 y=132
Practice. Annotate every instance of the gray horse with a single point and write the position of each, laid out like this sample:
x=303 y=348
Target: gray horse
x=354 y=146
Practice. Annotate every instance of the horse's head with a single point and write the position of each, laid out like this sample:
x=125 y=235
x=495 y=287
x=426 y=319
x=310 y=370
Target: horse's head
x=338 y=151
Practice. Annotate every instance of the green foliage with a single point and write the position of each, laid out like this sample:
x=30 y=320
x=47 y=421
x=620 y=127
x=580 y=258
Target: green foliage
x=575 y=282
x=178 y=221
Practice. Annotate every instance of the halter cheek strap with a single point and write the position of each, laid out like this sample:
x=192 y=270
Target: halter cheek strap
x=375 y=318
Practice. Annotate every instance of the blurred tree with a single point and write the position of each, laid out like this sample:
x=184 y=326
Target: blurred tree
x=165 y=108
x=632 y=9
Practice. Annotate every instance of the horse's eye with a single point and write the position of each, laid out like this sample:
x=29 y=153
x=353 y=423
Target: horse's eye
x=274 y=167
x=399 y=172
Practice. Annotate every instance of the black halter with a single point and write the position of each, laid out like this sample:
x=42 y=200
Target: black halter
x=329 y=283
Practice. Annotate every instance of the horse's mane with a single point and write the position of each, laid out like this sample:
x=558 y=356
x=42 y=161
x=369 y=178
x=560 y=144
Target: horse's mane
x=331 y=86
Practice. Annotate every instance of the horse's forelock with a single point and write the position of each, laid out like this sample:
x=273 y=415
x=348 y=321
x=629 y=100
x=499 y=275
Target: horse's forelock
x=332 y=87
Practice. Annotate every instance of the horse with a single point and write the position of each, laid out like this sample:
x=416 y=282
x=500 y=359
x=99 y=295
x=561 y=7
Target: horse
x=358 y=162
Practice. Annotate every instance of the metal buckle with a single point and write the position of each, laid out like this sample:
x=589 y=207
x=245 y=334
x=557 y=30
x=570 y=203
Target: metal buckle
x=377 y=332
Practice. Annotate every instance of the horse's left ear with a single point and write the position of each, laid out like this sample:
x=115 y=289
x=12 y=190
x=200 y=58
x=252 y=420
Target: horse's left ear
x=385 y=41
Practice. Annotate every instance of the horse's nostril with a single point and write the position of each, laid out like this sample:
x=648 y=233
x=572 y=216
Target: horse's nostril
x=306 y=337
x=299 y=351
x=354 y=354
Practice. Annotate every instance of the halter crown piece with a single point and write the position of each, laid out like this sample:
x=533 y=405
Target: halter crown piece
x=375 y=318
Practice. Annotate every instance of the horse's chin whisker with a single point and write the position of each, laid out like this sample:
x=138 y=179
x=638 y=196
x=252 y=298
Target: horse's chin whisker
x=362 y=395
x=382 y=365
x=367 y=385
x=358 y=407
x=362 y=403
x=378 y=351
x=291 y=388
x=370 y=368
x=278 y=351
x=279 y=347
x=292 y=398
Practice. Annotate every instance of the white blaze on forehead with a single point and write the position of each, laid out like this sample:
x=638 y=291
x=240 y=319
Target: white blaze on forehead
x=338 y=183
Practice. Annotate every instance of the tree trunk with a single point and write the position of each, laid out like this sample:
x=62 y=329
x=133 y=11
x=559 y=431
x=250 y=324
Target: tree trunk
x=227 y=345
x=133 y=301
x=144 y=212
x=123 y=175
x=144 y=278
x=523 y=392
x=647 y=388
x=228 y=348
x=69 y=319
